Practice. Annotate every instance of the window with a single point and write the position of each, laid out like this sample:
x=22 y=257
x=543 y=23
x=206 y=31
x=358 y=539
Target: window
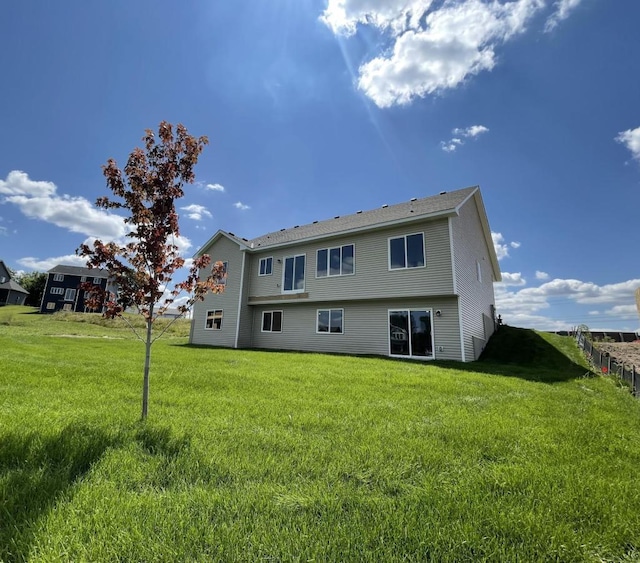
x=214 y=320
x=58 y=277
x=222 y=280
x=51 y=305
x=336 y=261
x=67 y=307
x=406 y=252
x=294 y=274
x=69 y=294
x=410 y=333
x=83 y=279
x=330 y=321
x=57 y=291
x=272 y=321
x=479 y=271
x=96 y=281
x=266 y=266
x=2 y=279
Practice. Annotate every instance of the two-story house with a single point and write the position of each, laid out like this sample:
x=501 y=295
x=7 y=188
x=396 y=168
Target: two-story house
x=412 y=280
x=62 y=291
x=11 y=292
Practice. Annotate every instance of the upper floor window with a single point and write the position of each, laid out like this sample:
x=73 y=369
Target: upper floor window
x=57 y=290
x=266 y=266
x=222 y=280
x=338 y=261
x=69 y=294
x=58 y=277
x=406 y=252
x=294 y=273
x=83 y=279
x=96 y=281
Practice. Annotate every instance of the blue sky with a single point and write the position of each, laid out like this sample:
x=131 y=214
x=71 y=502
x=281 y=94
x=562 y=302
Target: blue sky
x=317 y=108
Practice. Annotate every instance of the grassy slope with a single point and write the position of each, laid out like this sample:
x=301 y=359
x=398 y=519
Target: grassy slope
x=251 y=455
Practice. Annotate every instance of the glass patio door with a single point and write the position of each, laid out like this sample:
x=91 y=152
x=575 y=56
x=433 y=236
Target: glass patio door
x=410 y=333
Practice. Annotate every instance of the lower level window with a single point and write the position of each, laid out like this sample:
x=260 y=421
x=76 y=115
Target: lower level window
x=330 y=320
x=272 y=321
x=51 y=305
x=67 y=307
x=214 y=319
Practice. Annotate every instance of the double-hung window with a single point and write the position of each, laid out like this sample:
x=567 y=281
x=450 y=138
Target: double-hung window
x=96 y=281
x=330 y=321
x=214 y=320
x=337 y=261
x=272 y=321
x=293 y=274
x=406 y=252
x=222 y=280
x=266 y=266
x=58 y=277
x=57 y=291
x=69 y=294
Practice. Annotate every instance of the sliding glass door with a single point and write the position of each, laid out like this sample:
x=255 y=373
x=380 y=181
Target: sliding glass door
x=410 y=333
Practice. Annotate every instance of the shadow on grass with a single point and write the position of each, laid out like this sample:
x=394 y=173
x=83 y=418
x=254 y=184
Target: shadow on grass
x=37 y=471
x=525 y=353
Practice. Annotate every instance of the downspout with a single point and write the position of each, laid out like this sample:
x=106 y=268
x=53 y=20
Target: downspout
x=244 y=258
x=455 y=289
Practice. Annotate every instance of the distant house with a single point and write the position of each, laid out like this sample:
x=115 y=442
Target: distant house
x=11 y=293
x=62 y=291
x=412 y=280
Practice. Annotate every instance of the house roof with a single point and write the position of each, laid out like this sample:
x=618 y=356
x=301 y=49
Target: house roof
x=12 y=285
x=442 y=205
x=78 y=271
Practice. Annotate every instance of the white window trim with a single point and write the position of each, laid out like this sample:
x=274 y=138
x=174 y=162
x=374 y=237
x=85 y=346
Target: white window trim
x=424 y=252
x=206 y=318
x=433 y=331
x=260 y=262
x=328 y=249
x=304 y=278
x=281 y=321
x=67 y=291
x=51 y=305
x=58 y=277
x=96 y=281
x=329 y=331
x=57 y=291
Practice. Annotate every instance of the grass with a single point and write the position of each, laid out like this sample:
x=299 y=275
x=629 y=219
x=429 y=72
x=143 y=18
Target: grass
x=254 y=455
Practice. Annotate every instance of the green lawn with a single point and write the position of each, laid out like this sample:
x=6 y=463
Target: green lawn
x=269 y=456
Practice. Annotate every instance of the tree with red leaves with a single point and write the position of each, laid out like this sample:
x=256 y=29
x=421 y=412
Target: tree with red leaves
x=142 y=267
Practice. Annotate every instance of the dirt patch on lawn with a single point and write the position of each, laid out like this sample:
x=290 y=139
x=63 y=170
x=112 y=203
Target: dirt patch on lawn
x=627 y=353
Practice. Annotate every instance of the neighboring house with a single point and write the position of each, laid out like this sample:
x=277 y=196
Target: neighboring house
x=11 y=293
x=413 y=280
x=62 y=291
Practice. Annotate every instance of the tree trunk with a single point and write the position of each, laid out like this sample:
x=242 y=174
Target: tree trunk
x=147 y=363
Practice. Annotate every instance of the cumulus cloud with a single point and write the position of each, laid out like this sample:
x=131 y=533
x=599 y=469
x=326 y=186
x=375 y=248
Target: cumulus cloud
x=512 y=279
x=433 y=46
x=631 y=139
x=215 y=187
x=541 y=275
x=45 y=264
x=563 y=9
x=40 y=200
x=559 y=297
x=196 y=212
x=241 y=206
x=501 y=246
x=460 y=134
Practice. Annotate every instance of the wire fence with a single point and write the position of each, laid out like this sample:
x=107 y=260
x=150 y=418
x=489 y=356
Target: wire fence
x=608 y=364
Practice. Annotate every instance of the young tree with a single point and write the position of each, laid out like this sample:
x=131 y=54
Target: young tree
x=142 y=268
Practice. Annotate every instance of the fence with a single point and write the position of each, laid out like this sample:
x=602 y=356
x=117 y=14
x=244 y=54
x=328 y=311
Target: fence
x=609 y=365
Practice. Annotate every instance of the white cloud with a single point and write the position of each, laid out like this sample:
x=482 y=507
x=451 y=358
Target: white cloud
x=562 y=297
x=631 y=139
x=39 y=200
x=215 y=187
x=45 y=264
x=451 y=43
x=241 y=206
x=512 y=279
x=3 y=231
x=501 y=246
x=196 y=212
x=460 y=134
x=541 y=275
x=562 y=12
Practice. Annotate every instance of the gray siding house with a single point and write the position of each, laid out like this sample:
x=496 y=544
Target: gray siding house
x=412 y=280
x=11 y=292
